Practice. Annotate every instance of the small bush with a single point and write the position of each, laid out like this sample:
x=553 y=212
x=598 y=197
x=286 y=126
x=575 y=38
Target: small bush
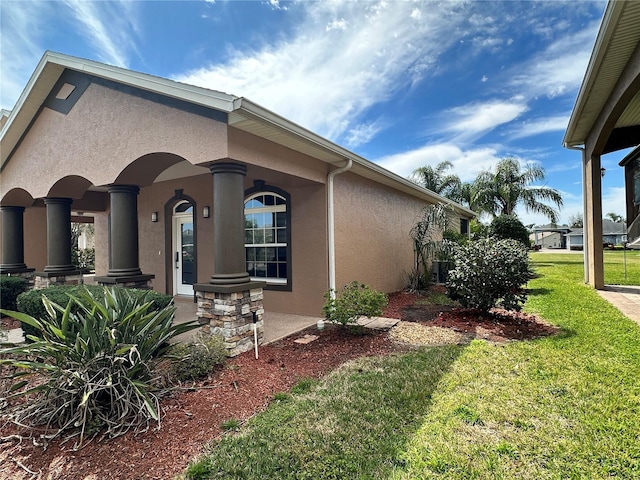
x=488 y=273
x=10 y=288
x=31 y=302
x=354 y=301
x=92 y=365
x=508 y=226
x=198 y=358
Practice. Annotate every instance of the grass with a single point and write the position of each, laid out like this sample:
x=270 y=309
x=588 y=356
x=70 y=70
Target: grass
x=614 y=261
x=560 y=407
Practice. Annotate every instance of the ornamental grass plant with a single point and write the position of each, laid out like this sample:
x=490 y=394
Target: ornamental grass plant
x=91 y=367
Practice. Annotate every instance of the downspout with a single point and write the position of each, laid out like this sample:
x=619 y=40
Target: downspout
x=585 y=250
x=331 y=225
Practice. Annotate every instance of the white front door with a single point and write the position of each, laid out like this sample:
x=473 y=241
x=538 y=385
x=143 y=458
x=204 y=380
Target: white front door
x=184 y=260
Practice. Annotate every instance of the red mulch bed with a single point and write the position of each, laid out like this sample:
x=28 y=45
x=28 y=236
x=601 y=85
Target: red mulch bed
x=244 y=387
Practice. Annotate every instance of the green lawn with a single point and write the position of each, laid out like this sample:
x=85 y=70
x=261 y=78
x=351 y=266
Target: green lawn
x=614 y=261
x=561 y=407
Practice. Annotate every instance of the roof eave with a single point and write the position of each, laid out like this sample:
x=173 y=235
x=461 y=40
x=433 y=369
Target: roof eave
x=52 y=65
x=255 y=111
x=611 y=15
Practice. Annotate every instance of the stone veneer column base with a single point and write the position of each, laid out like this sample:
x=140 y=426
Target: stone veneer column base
x=230 y=314
x=49 y=279
x=141 y=282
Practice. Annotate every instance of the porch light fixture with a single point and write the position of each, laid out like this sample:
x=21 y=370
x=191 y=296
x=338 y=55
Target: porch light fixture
x=602 y=172
x=205 y=212
x=154 y=217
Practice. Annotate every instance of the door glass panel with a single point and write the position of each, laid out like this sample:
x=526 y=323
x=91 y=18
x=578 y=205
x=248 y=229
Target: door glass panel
x=186 y=239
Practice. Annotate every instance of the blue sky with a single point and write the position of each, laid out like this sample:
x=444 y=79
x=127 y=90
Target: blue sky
x=402 y=83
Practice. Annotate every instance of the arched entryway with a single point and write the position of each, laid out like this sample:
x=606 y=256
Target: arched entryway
x=184 y=251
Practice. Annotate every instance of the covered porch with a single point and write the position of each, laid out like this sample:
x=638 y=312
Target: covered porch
x=605 y=119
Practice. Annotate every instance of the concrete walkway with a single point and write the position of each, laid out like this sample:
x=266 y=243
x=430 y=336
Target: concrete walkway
x=276 y=325
x=279 y=325
x=625 y=298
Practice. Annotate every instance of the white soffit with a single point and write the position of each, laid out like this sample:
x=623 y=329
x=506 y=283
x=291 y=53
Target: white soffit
x=617 y=39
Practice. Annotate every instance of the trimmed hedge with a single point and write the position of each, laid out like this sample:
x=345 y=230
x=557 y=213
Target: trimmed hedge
x=10 y=288
x=31 y=302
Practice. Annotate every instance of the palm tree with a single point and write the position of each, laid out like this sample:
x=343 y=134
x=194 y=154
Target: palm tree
x=499 y=192
x=437 y=180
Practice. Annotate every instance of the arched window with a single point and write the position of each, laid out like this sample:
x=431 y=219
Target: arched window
x=267 y=238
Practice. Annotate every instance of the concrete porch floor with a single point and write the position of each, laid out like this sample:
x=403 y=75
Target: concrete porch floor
x=276 y=325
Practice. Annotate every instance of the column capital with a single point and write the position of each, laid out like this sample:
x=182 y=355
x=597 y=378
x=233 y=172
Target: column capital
x=57 y=201
x=11 y=208
x=228 y=166
x=117 y=188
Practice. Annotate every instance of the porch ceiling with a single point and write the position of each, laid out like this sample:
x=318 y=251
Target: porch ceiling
x=615 y=51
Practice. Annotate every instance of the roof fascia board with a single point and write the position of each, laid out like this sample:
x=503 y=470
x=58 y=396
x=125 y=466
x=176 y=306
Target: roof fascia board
x=25 y=93
x=183 y=91
x=261 y=114
x=635 y=153
x=29 y=103
x=612 y=14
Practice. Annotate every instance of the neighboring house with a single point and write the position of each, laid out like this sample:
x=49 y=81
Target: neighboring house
x=613 y=233
x=195 y=192
x=550 y=236
x=606 y=118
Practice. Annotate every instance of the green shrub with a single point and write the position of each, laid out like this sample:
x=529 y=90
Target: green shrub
x=354 y=301
x=198 y=358
x=10 y=288
x=84 y=260
x=508 y=226
x=91 y=367
x=31 y=302
x=488 y=273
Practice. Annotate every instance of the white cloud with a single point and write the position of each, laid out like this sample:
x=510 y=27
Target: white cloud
x=559 y=69
x=362 y=134
x=21 y=50
x=337 y=25
x=530 y=128
x=326 y=78
x=108 y=26
x=614 y=200
x=466 y=163
x=471 y=121
x=275 y=4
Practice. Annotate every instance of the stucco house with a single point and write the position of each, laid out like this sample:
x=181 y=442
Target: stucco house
x=613 y=233
x=550 y=236
x=195 y=192
x=605 y=119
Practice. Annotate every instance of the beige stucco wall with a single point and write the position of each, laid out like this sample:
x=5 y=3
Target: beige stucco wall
x=104 y=132
x=254 y=150
x=308 y=237
x=100 y=226
x=372 y=224
x=35 y=238
x=152 y=234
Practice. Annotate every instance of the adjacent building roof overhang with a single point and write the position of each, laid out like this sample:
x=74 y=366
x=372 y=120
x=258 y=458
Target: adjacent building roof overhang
x=631 y=157
x=242 y=114
x=612 y=73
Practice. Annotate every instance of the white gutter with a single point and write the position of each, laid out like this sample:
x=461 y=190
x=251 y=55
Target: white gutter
x=331 y=226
